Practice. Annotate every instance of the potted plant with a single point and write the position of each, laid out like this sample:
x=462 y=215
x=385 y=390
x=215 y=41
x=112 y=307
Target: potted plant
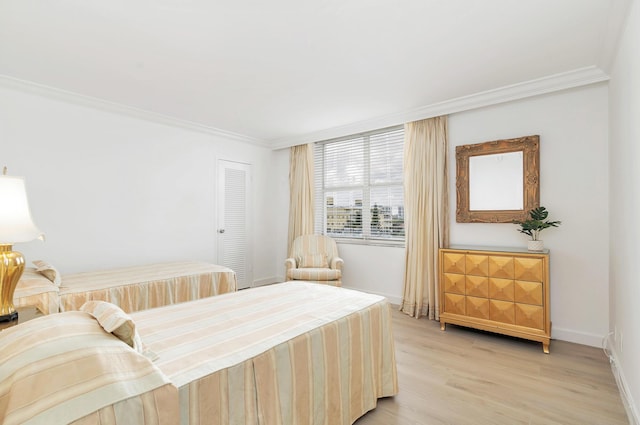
x=534 y=225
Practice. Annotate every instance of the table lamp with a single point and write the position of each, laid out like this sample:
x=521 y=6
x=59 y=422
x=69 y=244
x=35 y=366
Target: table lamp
x=16 y=225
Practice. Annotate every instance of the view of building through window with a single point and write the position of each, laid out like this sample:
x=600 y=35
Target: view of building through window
x=359 y=192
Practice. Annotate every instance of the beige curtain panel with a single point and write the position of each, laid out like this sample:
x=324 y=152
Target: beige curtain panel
x=426 y=213
x=300 y=192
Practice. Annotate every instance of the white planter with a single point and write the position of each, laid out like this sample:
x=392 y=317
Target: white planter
x=535 y=245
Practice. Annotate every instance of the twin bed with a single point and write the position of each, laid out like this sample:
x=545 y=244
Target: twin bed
x=289 y=353
x=132 y=288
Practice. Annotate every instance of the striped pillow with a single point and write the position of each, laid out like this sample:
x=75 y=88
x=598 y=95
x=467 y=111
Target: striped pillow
x=114 y=320
x=314 y=261
x=48 y=271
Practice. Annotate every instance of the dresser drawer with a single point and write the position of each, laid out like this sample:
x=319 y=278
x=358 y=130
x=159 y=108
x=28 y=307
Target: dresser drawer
x=528 y=269
x=454 y=283
x=501 y=289
x=454 y=304
x=528 y=292
x=477 y=265
x=502 y=311
x=453 y=262
x=501 y=266
x=530 y=316
x=477 y=286
x=477 y=307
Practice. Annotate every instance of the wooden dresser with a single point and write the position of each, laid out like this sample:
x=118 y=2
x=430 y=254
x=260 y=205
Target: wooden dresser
x=497 y=290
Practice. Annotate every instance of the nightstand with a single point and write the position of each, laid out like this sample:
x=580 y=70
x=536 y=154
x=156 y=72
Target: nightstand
x=24 y=314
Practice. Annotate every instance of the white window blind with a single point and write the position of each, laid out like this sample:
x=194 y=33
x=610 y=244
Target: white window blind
x=358 y=182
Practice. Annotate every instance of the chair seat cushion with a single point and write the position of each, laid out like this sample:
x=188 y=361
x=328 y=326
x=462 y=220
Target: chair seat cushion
x=315 y=274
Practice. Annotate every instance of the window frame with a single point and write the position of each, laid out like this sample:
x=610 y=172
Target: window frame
x=321 y=210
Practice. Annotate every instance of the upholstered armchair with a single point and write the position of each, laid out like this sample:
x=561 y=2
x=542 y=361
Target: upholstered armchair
x=314 y=258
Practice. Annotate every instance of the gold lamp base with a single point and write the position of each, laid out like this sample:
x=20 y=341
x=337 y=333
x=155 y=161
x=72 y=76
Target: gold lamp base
x=11 y=268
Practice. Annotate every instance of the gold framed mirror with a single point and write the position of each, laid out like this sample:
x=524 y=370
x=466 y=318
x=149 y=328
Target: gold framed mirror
x=497 y=181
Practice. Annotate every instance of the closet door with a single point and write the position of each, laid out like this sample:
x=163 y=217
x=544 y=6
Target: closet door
x=234 y=233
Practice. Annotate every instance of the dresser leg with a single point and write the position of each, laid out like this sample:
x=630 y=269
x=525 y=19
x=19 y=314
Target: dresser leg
x=545 y=347
x=442 y=325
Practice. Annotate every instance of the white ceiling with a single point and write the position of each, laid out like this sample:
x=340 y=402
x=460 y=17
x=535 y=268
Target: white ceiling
x=285 y=71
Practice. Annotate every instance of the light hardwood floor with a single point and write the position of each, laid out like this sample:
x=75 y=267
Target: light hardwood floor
x=467 y=377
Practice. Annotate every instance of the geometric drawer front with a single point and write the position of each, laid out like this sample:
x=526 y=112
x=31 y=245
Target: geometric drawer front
x=531 y=316
x=477 y=307
x=477 y=265
x=454 y=303
x=501 y=267
x=502 y=311
x=454 y=283
x=453 y=262
x=477 y=286
x=501 y=289
x=528 y=269
x=528 y=292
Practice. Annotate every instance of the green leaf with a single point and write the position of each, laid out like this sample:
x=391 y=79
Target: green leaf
x=536 y=223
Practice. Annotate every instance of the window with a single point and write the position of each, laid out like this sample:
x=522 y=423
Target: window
x=358 y=186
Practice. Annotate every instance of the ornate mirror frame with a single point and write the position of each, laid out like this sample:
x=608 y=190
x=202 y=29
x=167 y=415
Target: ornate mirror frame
x=530 y=146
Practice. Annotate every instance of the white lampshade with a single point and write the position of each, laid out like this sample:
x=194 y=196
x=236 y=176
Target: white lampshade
x=16 y=224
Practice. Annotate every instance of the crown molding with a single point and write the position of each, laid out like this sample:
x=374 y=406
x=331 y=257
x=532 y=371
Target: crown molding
x=553 y=83
x=108 y=106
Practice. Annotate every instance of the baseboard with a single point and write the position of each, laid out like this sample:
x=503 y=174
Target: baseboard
x=616 y=367
x=267 y=281
x=583 y=338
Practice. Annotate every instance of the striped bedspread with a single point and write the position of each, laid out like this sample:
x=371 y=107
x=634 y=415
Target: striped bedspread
x=288 y=353
x=64 y=368
x=34 y=289
x=143 y=287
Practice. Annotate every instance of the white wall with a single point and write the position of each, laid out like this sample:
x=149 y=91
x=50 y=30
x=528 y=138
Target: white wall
x=280 y=199
x=113 y=190
x=574 y=186
x=375 y=269
x=624 y=204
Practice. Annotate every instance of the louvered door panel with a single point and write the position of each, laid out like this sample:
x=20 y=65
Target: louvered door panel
x=233 y=220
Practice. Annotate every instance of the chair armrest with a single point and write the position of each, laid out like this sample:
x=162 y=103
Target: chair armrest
x=336 y=263
x=290 y=263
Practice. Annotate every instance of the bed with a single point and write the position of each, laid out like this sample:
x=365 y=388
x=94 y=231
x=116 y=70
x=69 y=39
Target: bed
x=65 y=368
x=34 y=289
x=294 y=352
x=132 y=288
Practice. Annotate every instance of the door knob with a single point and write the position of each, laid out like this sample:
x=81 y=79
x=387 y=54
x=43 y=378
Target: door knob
x=220 y=230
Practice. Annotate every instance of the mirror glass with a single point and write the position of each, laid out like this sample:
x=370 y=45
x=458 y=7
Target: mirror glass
x=496 y=182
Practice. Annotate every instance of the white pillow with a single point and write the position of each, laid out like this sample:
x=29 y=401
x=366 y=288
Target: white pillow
x=48 y=271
